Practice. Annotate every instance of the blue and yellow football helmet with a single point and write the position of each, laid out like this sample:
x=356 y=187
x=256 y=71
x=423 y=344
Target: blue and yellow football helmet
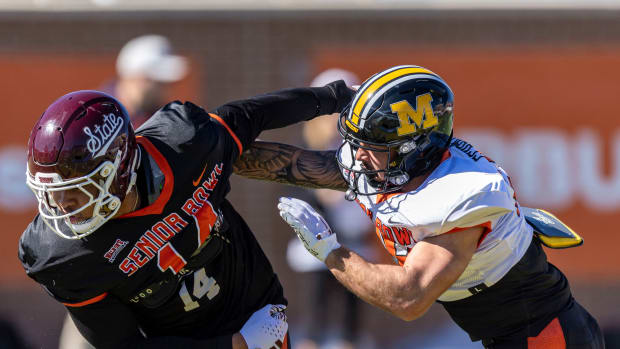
x=406 y=111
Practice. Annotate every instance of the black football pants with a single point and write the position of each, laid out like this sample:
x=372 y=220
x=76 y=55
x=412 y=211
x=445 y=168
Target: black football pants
x=574 y=328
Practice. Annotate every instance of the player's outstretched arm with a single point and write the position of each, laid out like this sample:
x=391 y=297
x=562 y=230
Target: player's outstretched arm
x=249 y=117
x=288 y=164
x=406 y=291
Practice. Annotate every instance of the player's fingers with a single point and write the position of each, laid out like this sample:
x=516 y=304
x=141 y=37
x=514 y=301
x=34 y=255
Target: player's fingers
x=289 y=206
x=297 y=226
x=280 y=316
x=280 y=307
x=292 y=211
x=298 y=212
x=303 y=204
x=284 y=207
x=300 y=204
x=303 y=211
x=290 y=220
x=277 y=312
x=286 y=200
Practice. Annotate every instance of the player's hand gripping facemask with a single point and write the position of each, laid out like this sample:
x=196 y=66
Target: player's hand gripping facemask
x=311 y=228
x=266 y=327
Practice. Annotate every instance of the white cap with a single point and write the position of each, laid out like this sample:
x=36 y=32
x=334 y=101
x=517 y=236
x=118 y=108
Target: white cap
x=150 y=56
x=334 y=74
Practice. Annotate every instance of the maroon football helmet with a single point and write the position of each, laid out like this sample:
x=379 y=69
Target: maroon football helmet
x=83 y=141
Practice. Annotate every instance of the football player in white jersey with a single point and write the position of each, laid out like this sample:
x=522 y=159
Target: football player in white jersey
x=446 y=213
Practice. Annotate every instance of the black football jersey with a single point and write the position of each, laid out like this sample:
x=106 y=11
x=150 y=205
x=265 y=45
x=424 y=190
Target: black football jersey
x=186 y=264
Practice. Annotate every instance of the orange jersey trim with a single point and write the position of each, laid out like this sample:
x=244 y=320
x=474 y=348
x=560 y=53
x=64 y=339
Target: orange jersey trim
x=486 y=226
x=158 y=206
x=551 y=337
x=232 y=134
x=384 y=196
x=87 y=302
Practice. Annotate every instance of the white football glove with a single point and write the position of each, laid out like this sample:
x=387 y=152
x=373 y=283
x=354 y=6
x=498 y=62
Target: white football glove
x=310 y=227
x=265 y=327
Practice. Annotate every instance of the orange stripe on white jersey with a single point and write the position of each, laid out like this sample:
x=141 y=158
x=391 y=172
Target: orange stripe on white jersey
x=485 y=232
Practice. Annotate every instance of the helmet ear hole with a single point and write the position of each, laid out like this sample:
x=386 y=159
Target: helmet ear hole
x=114 y=204
x=106 y=170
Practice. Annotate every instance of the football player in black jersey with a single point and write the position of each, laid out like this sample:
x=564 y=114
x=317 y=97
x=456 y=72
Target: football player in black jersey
x=134 y=233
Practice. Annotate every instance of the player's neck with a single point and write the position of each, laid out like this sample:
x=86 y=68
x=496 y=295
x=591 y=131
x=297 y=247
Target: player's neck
x=415 y=182
x=130 y=204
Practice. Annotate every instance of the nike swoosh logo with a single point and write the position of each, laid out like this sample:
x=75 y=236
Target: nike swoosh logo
x=392 y=221
x=196 y=182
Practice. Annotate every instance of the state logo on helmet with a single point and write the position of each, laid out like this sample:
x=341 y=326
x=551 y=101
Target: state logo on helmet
x=83 y=143
x=406 y=111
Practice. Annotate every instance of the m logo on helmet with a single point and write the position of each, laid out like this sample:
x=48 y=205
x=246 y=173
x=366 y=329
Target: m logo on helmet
x=100 y=139
x=413 y=119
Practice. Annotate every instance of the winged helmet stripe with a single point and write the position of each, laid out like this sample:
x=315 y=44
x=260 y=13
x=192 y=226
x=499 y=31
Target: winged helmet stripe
x=368 y=89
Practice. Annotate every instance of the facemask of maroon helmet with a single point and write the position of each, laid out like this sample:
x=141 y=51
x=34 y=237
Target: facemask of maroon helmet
x=82 y=147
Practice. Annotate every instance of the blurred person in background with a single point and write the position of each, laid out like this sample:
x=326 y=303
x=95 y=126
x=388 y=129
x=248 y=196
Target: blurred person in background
x=447 y=214
x=135 y=236
x=146 y=68
x=10 y=338
x=340 y=327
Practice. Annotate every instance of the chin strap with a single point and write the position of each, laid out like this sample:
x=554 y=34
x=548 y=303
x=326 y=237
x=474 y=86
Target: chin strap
x=134 y=166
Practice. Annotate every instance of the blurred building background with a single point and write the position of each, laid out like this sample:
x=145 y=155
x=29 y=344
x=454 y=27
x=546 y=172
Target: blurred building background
x=535 y=85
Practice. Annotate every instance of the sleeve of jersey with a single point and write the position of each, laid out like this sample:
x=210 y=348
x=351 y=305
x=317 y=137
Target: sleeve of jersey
x=111 y=324
x=479 y=209
x=246 y=119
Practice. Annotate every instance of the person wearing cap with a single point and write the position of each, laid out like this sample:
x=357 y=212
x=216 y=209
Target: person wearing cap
x=146 y=67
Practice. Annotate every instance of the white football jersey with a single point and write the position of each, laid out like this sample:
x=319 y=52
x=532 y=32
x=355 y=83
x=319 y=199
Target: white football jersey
x=465 y=190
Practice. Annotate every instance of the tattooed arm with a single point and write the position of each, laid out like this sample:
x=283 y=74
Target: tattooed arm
x=288 y=164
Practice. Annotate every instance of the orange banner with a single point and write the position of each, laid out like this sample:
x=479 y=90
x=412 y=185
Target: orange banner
x=547 y=115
